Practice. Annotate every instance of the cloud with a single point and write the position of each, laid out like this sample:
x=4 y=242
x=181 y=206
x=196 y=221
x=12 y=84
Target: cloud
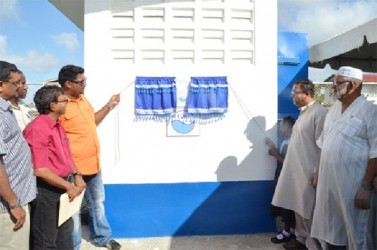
x=3 y=45
x=8 y=10
x=35 y=61
x=32 y=62
x=68 y=40
x=324 y=19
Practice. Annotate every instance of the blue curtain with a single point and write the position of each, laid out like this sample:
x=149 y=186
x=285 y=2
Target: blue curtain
x=207 y=99
x=155 y=98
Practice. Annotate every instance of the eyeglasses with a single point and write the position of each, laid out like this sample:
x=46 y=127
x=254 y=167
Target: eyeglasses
x=336 y=83
x=82 y=82
x=15 y=84
x=296 y=92
x=64 y=101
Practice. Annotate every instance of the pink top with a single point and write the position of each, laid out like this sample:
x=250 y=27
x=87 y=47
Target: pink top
x=49 y=145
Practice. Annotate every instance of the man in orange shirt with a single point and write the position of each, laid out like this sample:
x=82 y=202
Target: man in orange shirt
x=80 y=122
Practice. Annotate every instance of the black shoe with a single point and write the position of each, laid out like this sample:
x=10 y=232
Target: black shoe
x=280 y=238
x=112 y=245
x=294 y=245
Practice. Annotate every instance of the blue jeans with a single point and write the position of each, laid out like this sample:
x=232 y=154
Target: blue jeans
x=99 y=228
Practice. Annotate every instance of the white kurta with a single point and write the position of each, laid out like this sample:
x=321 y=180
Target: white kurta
x=348 y=141
x=293 y=190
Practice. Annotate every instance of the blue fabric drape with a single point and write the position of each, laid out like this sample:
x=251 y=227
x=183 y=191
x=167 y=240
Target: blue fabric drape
x=207 y=99
x=155 y=98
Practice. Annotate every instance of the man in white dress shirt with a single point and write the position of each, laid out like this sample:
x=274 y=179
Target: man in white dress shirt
x=347 y=167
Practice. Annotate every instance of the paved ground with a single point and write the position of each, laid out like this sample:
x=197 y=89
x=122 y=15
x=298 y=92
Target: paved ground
x=234 y=242
x=228 y=242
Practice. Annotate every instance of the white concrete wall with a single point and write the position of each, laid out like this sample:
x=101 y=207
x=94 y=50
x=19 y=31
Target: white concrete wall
x=140 y=152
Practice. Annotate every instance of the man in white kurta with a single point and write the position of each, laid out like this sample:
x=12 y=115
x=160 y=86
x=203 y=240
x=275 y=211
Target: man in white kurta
x=348 y=144
x=294 y=190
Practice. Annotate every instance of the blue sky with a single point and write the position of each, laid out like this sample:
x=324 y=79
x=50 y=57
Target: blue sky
x=38 y=38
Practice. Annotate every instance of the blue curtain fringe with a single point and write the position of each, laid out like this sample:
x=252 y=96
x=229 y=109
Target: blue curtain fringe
x=208 y=90
x=207 y=99
x=155 y=91
x=205 y=118
x=154 y=117
x=156 y=99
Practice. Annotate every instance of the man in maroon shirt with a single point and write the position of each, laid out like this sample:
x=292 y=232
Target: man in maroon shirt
x=53 y=167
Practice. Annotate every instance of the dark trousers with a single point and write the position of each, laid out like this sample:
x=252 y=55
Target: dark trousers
x=44 y=230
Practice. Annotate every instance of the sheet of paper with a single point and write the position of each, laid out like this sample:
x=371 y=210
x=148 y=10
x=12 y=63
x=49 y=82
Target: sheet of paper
x=67 y=208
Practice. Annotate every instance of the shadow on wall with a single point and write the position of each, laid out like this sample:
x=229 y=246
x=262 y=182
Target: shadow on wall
x=252 y=167
x=241 y=202
x=233 y=208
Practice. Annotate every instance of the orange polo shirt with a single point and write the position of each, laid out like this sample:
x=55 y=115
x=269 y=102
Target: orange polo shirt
x=80 y=126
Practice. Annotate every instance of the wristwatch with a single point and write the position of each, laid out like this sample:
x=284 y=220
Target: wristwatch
x=76 y=173
x=15 y=205
x=367 y=187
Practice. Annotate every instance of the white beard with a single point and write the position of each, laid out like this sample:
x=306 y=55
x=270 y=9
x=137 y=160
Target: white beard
x=336 y=95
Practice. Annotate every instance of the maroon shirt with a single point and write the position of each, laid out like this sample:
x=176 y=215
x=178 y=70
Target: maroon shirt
x=49 y=145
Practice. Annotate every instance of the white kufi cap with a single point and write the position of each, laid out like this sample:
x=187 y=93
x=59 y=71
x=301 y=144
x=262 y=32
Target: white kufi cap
x=347 y=71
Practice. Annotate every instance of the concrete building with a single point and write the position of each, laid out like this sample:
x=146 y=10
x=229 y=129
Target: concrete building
x=159 y=181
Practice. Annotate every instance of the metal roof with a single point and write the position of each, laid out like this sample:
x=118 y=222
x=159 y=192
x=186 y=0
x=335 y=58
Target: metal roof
x=356 y=47
x=73 y=10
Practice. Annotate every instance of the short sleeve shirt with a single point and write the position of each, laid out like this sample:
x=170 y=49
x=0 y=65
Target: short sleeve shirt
x=79 y=123
x=15 y=158
x=49 y=145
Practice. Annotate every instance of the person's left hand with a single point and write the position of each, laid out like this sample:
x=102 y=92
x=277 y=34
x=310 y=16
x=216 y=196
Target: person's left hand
x=80 y=183
x=72 y=192
x=362 y=198
x=314 y=180
x=18 y=216
x=272 y=151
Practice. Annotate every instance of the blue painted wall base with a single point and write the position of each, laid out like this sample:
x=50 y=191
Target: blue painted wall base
x=177 y=209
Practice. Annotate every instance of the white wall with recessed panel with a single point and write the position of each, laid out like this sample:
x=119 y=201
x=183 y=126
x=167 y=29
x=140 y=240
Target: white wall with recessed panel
x=233 y=38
